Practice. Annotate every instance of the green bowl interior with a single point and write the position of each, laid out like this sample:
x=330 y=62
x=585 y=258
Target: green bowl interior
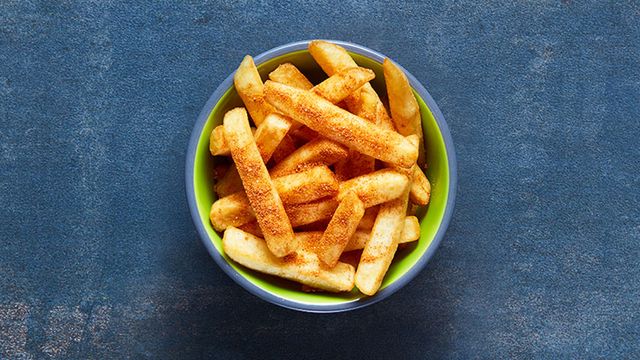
x=430 y=216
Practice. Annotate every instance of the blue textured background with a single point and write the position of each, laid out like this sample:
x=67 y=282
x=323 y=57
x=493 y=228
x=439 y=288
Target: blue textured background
x=98 y=254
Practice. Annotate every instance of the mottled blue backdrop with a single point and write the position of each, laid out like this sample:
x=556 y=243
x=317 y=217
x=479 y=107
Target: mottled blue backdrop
x=98 y=254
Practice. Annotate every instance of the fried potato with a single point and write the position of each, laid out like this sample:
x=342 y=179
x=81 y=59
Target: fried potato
x=375 y=188
x=420 y=187
x=420 y=191
x=405 y=111
x=217 y=142
x=340 y=125
x=412 y=139
x=410 y=233
x=411 y=230
x=319 y=151
x=381 y=247
x=270 y=133
x=230 y=183
x=319 y=227
x=369 y=107
x=340 y=229
x=288 y=74
x=261 y=192
x=333 y=58
x=232 y=210
x=357 y=164
x=304 y=214
x=312 y=184
x=301 y=266
x=348 y=224
x=343 y=83
x=268 y=136
x=370 y=214
x=249 y=86
x=311 y=240
x=335 y=89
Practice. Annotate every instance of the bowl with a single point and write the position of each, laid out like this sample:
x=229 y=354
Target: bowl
x=409 y=260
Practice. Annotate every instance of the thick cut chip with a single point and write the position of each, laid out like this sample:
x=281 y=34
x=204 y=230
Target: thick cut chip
x=301 y=266
x=289 y=74
x=333 y=58
x=319 y=151
x=420 y=187
x=335 y=89
x=251 y=90
x=270 y=133
x=375 y=188
x=305 y=214
x=340 y=125
x=261 y=192
x=382 y=117
x=410 y=232
x=232 y=210
x=315 y=183
x=312 y=184
x=217 y=142
x=359 y=164
x=310 y=240
x=340 y=229
x=371 y=108
x=405 y=111
x=268 y=136
x=343 y=83
x=382 y=245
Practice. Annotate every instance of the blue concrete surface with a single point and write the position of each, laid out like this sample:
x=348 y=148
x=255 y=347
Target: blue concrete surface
x=98 y=255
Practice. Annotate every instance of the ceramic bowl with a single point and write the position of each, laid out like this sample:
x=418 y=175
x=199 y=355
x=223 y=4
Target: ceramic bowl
x=409 y=260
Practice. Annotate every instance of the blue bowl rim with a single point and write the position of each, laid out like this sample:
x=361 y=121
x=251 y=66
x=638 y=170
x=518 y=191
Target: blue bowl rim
x=295 y=305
